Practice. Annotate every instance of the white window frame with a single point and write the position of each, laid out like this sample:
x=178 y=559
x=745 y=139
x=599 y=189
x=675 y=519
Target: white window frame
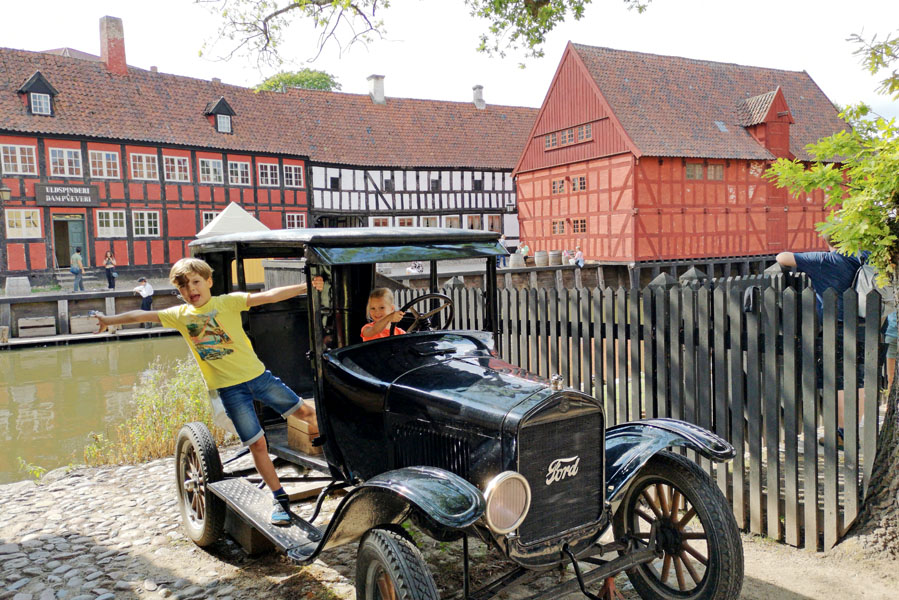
x=175 y=166
x=267 y=174
x=207 y=216
x=498 y=219
x=388 y=221
x=223 y=123
x=16 y=228
x=141 y=164
x=143 y=225
x=104 y=164
x=239 y=173
x=295 y=220
x=112 y=228
x=214 y=171
x=71 y=162
x=14 y=160
x=41 y=104
x=293 y=176
x=468 y=219
x=447 y=218
x=434 y=219
x=405 y=221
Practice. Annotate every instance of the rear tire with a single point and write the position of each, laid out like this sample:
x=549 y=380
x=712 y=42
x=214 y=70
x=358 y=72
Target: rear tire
x=197 y=464
x=390 y=567
x=703 y=553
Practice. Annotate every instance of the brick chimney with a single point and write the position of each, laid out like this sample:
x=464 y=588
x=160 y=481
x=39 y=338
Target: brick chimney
x=112 y=45
x=479 y=97
x=376 y=89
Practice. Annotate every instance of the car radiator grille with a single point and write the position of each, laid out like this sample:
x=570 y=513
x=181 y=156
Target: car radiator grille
x=415 y=445
x=571 y=500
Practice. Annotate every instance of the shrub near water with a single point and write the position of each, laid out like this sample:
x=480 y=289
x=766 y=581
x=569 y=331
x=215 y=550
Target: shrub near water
x=169 y=394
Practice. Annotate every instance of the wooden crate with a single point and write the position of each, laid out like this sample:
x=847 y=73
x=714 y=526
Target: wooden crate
x=82 y=324
x=300 y=433
x=37 y=326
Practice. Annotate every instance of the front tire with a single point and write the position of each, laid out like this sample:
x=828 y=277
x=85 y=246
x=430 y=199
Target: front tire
x=197 y=464
x=702 y=552
x=390 y=567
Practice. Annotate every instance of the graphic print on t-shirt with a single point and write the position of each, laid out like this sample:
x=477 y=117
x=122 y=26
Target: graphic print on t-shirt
x=208 y=337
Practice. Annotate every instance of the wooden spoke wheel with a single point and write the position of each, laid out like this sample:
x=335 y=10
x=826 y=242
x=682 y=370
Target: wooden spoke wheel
x=702 y=556
x=197 y=464
x=390 y=567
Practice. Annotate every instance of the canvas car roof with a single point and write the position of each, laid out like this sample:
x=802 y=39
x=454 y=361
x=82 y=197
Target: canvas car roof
x=356 y=245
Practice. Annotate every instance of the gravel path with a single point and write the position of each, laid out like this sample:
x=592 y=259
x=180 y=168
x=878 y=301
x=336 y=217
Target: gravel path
x=104 y=533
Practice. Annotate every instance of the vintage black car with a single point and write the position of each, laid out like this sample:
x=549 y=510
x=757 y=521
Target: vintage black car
x=433 y=427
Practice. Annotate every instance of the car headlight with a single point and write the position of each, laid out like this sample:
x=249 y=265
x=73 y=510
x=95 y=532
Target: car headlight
x=508 y=498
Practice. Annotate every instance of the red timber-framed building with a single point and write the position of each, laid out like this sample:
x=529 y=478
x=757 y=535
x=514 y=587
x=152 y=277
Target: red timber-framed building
x=657 y=162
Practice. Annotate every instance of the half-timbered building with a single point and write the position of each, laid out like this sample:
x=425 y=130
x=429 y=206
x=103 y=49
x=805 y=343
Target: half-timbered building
x=639 y=158
x=98 y=154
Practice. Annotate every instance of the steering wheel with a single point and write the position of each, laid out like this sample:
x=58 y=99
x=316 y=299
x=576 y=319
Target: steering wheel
x=422 y=319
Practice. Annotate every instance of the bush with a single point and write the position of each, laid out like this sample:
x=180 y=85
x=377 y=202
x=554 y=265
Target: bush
x=168 y=395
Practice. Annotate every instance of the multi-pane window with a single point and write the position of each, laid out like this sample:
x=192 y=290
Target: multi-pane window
x=494 y=223
x=694 y=171
x=211 y=171
x=558 y=186
x=405 y=221
x=585 y=132
x=715 y=172
x=452 y=222
x=293 y=176
x=572 y=135
x=111 y=223
x=473 y=222
x=579 y=226
x=177 y=168
x=208 y=216
x=65 y=162
x=566 y=137
x=380 y=221
x=223 y=122
x=430 y=221
x=40 y=104
x=558 y=226
x=143 y=166
x=18 y=160
x=579 y=184
x=23 y=223
x=145 y=223
x=551 y=141
x=104 y=165
x=268 y=174
x=295 y=220
x=239 y=173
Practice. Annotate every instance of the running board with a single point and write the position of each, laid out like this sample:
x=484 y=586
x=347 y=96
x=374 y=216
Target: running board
x=254 y=506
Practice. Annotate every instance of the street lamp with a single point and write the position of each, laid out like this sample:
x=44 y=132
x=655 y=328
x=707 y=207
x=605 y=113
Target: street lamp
x=5 y=192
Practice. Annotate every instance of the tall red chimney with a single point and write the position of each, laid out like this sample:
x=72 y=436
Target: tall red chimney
x=112 y=45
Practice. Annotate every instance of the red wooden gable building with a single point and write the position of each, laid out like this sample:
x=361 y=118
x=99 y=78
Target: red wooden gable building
x=640 y=158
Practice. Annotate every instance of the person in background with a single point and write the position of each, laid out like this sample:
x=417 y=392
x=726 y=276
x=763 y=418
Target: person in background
x=109 y=264
x=524 y=250
x=77 y=263
x=502 y=261
x=145 y=290
x=578 y=258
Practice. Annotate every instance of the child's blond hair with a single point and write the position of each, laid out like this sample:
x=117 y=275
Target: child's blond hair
x=184 y=268
x=377 y=294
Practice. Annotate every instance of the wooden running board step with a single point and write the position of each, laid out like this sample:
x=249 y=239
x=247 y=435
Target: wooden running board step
x=255 y=507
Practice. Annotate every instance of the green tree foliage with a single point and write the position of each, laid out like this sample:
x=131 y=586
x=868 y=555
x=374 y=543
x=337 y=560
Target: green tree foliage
x=256 y=28
x=307 y=79
x=858 y=170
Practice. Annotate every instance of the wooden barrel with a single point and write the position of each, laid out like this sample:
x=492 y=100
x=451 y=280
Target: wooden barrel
x=555 y=257
x=540 y=258
x=516 y=261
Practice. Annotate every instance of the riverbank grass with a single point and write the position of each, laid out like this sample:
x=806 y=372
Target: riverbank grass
x=169 y=394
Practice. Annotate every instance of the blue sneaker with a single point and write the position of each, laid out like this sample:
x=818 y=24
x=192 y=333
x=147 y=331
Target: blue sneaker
x=280 y=516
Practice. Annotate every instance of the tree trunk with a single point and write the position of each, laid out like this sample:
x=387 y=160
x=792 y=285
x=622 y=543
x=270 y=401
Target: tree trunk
x=876 y=530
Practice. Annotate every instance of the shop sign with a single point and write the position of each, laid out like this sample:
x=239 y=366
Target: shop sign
x=51 y=194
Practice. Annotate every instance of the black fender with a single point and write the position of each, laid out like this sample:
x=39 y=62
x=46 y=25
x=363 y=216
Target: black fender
x=630 y=445
x=441 y=497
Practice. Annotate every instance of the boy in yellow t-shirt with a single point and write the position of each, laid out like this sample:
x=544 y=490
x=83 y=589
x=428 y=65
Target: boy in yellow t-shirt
x=212 y=327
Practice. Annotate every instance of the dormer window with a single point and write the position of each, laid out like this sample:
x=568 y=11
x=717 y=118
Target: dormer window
x=223 y=123
x=40 y=104
x=40 y=95
x=219 y=113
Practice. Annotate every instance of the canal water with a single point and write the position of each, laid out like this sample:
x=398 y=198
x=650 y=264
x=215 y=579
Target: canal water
x=52 y=399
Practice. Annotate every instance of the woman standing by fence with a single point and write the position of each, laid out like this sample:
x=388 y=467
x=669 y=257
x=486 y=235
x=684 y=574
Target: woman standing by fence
x=109 y=264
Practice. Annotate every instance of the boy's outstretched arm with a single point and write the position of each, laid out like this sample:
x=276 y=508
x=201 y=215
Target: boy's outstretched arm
x=132 y=316
x=283 y=293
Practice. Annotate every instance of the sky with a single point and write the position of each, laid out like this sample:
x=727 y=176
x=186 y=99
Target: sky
x=429 y=50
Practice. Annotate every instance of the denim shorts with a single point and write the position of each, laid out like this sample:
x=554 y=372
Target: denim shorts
x=267 y=389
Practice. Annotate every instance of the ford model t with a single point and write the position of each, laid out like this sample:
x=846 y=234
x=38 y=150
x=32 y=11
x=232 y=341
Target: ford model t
x=435 y=428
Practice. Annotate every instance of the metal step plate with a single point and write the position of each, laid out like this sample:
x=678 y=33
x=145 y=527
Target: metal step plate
x=255 y=506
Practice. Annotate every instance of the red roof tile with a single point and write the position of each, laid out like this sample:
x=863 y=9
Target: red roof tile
x=668 y=105
x=157 y=108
